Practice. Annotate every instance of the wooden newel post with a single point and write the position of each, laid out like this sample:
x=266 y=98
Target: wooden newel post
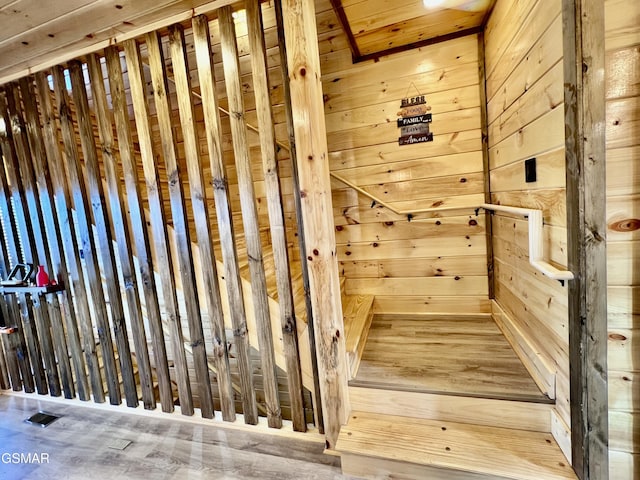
x=317 y=211
x=583 y=22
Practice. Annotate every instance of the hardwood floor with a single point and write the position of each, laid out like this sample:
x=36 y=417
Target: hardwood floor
x=78 y=448
x=459 y=355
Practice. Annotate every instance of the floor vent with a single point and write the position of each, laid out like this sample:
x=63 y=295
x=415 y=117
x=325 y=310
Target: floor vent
x=41 y=419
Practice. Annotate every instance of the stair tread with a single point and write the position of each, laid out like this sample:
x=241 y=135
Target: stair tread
x=357 y=314
x=515 y=454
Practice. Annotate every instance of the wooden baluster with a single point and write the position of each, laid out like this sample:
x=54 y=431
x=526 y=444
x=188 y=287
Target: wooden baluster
x=315 y=186
x=59 y=264
x=103 y=229
x=68 y=236
x=179 y=217
x=48 y=318
x=204 y=58
x=73 y=170
x=276 y=213
x=158 y=224
x=249 y=214
x=317 y=403
x=28 y=348
x=201 y=218
x=121 y=230
x=10 y=312
x=140 y=235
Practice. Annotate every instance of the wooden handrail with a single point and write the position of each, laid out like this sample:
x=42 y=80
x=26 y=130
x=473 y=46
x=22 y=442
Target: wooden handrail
x=533 y=216
x=409 y=213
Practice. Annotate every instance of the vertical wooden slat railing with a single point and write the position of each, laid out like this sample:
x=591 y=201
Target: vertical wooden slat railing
x=201 y=218
x=14 y=214
x=48 y=318
x=73 y=169
x=103 y=229
x=59 y=269
x=231 y=69
x=68 y=235
x=158 y=223
x=179 y=217
x=121 y=230
x=275 y=209
x=65 y=164
x=204 y=59
x=139 y=230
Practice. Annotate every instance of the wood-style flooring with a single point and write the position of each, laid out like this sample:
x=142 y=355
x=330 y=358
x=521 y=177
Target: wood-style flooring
x=78 y=448
x=465 y=355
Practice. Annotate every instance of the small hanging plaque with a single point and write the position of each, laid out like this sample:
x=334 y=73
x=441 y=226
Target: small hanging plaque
x=404 y=121
x=414 y=121
x=411 y=139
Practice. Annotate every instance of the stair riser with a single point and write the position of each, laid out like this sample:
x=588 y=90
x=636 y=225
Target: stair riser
x=449 y=408
x=377 y=468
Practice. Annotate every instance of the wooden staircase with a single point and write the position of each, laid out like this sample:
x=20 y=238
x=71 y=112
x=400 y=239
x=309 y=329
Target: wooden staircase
x=411 y=432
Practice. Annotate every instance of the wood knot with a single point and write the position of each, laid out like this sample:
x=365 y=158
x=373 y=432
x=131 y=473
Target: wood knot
x=303 y=72
x=626 y=225
x=473 y=223
x=617 y=336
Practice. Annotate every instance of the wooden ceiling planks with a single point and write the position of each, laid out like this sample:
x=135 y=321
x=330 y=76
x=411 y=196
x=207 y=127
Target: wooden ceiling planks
x=32 y=40
x=380 y=27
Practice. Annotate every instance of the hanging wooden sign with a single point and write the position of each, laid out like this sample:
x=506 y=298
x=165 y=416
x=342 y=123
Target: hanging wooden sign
x=403 y=122
x=414 y=110
x=419 y=100
x=411 y=139
x=414 y=121
x=417 y=129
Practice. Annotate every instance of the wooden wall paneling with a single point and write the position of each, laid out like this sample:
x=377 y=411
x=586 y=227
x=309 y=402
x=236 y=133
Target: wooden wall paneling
x=183 y=244
x=93 y=179
x=19 y=250
x=233 y=284
x=622 y=91
x=295 y=181
x=201 y=217
x=315 y=185
x=47 y=312
x=249 y=213
x=120 y=227
x=139 y=233
x=58 y=262
x=158 y=223
x=68 y=234
x=78 y=193
x=583 y=45
x=276 y=215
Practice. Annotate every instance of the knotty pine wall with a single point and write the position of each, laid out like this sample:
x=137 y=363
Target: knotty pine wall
x=524 y=85
x=622 y=44
x=427 y=264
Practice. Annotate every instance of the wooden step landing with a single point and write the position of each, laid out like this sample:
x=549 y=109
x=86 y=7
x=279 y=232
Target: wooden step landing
x=358 y=314
x=386 y=446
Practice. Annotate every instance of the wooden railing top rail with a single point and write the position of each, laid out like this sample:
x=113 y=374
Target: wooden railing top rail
x=533 y=216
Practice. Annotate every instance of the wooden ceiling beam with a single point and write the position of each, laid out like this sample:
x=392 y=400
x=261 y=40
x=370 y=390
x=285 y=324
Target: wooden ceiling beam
x=344 y=23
